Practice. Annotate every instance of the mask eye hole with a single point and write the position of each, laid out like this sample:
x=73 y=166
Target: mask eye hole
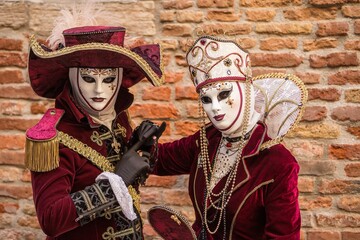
x=88 y=79
x=205 y=99
x=109 y=80
x=223 y=95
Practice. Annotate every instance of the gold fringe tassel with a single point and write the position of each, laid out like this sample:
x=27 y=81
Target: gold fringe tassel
x=42 y=156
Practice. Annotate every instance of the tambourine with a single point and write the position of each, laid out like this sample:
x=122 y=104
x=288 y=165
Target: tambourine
x=170 y=224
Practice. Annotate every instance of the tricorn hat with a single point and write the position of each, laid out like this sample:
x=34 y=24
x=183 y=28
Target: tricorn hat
x=93 y=47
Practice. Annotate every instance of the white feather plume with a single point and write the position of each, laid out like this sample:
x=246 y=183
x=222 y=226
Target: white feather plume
x=87 y=13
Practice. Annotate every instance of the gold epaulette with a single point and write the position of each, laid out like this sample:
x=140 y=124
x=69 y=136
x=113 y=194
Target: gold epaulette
x=42 y=144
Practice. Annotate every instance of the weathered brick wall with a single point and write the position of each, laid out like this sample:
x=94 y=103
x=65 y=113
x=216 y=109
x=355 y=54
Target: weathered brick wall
x=318 y=40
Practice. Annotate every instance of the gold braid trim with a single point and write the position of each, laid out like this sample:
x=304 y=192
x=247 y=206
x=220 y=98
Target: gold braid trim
x=43 y=156
x=40 y=52
x=81 y=148
x=135 y=196
x=96 y=158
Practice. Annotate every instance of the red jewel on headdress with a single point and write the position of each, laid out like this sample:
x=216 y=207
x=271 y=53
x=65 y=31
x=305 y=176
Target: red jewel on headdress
x=203 y=41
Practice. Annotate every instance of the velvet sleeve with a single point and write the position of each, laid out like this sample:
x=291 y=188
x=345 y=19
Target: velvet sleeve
x=177 y=157
x=281 y=204
x=51 y=190
x=60 y=207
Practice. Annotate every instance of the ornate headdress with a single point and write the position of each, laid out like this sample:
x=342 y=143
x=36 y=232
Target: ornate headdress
x=279 y=97
x=213 y=60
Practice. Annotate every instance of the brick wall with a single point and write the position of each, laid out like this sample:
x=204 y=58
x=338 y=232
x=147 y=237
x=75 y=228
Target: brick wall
x=318 y=40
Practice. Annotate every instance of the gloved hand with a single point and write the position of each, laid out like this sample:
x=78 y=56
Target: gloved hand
x=141 y=133
x=145 y=137
x=132 y=167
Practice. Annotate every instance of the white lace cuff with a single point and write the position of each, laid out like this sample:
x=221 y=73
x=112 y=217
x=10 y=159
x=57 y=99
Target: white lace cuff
x=121 y=193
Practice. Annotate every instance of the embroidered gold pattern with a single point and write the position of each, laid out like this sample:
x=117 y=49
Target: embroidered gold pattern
x=107 y=212
x=100 y=194
x=116 y=146
x=270 y=143
x=96 y=138
x=110 y=233
x=120 y=130
x=88 y=203
x=98 y=71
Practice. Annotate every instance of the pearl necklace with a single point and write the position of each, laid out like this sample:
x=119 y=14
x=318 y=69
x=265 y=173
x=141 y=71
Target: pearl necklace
x=224 y=161
x=223 y=197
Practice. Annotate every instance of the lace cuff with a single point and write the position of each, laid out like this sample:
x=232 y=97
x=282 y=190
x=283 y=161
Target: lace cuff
x=121 y=193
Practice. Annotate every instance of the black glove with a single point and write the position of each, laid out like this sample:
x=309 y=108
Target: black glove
x=132 y=167
x=145 y=137
x=142 y=133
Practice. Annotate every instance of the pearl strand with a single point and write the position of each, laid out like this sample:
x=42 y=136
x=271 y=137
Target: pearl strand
x=206 y=164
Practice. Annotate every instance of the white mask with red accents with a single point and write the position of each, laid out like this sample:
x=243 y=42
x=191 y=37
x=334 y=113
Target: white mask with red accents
x=224 y=104
x=96 y=90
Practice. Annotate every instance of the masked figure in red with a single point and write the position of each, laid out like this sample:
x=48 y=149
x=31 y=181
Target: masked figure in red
x=243 y=181
x=85 y=170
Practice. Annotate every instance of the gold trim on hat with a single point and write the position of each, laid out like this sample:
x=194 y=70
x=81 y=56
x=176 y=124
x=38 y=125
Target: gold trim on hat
x=40 y=52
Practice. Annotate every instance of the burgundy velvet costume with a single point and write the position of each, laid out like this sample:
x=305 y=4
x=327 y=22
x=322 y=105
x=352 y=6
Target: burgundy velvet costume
x=264 y=204
x=52 y=190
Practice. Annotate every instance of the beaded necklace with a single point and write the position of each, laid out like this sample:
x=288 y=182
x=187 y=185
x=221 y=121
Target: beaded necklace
x=225 y=160
x=225 y=194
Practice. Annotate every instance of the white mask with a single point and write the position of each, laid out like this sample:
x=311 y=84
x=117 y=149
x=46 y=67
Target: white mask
x=224 y=104
x=96 y=90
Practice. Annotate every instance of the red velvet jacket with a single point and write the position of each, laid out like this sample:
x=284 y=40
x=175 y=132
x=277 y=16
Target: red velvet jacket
x=51 y=190
x=264 y=204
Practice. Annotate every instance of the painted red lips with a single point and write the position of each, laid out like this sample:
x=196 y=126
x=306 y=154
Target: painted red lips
x=95 y=99
x=219 y=117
